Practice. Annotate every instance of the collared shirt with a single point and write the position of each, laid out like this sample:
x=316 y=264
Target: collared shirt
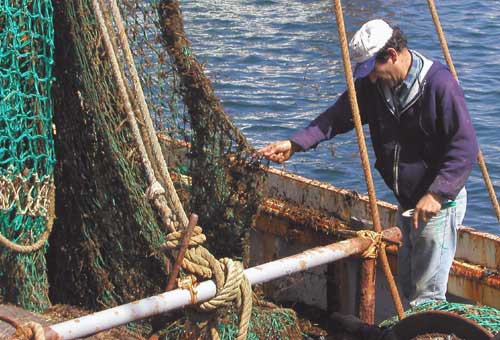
x=403 y=90
x=399 y=97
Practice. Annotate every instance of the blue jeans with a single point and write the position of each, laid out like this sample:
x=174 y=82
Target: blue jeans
x=425 y=258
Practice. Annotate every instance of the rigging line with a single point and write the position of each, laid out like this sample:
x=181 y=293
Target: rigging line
x=364 y=156
x=158 y=154
x=449 y=61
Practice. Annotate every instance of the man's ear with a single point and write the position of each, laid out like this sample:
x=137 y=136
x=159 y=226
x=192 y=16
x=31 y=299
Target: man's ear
x=393 y=55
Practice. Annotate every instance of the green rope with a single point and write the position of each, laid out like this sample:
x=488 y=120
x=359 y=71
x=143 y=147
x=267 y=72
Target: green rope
x=26 y=144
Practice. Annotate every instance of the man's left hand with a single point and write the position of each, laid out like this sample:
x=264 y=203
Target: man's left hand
x=426 y=208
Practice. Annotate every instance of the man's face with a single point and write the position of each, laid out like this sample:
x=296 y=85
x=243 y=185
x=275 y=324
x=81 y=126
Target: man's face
x=385 y=72
x=388 y=71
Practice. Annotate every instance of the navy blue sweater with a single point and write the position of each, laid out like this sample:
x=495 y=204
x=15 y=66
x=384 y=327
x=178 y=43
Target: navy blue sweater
x=431 y=146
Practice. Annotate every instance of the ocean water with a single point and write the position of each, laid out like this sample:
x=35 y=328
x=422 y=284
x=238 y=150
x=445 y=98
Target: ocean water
x=277 y=64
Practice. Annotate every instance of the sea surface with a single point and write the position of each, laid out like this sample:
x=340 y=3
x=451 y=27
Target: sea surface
x=277 y=64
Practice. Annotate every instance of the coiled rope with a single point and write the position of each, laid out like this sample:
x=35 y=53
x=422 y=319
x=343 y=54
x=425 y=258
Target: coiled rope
x=232 y=284
x=26 y=331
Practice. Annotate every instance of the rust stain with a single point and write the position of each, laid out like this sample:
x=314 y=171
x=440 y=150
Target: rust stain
x=480 y=235
x=476 y=273
x=303 y=264
x=301 y=216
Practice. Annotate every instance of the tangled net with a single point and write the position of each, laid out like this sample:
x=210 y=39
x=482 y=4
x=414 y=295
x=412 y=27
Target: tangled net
x=109 y=231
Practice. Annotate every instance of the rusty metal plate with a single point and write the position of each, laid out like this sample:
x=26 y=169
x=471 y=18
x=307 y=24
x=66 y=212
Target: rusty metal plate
x=439 y=322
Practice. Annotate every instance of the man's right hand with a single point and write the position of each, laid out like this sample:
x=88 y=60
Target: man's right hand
x=279 y=151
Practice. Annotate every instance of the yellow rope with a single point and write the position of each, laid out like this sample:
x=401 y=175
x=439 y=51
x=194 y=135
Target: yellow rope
x=157 y=154
x=45 y=236
x=232 y=284
x=26 y=331
x=375 y=238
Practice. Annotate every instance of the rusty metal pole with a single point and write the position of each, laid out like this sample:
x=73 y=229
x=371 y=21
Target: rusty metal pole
x=193 y=220
x=366 y=310
x=367 y=291
x=178 y=298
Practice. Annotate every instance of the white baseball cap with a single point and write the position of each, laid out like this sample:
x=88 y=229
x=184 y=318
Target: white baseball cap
x=365 y=44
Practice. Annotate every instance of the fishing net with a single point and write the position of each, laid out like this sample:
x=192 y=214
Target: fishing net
x=106 y=247
x=26 y=146
x=225 y=177
x=485 y=316
x=266 y=323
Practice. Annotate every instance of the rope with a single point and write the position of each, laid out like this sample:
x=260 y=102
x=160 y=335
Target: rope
x=26 y=331
x=364 y=155
x=151 y=133
x=231 y=283
x=29 y=331
x=230 y=280
x=18 y=191
x=160 y=202
x=449 y=61
x=377 y=243
x=45 y=236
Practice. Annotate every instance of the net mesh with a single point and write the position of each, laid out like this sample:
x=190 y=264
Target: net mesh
x=108 y=229
x=485 y=316
x=105 y=245
x=26 y=145
x=266 y=323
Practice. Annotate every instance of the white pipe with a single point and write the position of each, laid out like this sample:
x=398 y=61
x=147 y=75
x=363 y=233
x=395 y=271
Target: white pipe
x=175 y=299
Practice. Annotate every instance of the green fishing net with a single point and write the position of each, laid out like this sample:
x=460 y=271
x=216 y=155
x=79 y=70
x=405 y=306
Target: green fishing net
x=485 y=316
x=26 y=145
x=266 y=323
x=106 y=244
x=108 y=228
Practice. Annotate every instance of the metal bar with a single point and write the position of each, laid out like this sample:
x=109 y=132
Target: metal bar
x=193 y=220
x=367 y=291
x=175 y=299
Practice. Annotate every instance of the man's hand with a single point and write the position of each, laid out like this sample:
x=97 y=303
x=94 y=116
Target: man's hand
x=426 y=208
x=278 y=152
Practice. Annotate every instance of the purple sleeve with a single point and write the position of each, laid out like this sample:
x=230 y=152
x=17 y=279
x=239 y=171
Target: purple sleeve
x=335 y=120
x=462 y=149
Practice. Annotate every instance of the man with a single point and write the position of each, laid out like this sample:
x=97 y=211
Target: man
x=424 y=143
